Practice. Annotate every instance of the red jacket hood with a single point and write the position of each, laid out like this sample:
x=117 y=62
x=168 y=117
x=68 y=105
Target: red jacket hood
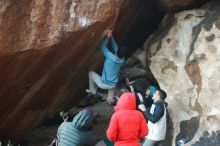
x=126 y=101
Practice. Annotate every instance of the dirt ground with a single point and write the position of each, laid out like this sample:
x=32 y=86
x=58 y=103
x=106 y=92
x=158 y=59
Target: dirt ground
x=44 y=135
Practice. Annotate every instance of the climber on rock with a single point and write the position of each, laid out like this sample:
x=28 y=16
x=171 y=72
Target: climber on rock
x=113 y=62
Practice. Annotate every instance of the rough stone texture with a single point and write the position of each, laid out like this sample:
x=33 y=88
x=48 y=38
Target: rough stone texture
x=173 y=5
x=39 y=24
x=208 y=139
x=143 y=19
x=187 y=67
x=47 y=48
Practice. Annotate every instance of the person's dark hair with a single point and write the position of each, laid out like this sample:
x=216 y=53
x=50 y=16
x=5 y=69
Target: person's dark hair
x=162 y=94
x=121 y=52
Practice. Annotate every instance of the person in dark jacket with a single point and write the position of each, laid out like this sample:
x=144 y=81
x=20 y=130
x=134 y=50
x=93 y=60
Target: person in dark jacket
x=79 y=132
x=156 y=116
x=113 y=61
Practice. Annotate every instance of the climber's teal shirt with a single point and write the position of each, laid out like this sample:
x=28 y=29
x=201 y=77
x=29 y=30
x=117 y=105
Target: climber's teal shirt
x=112 y=63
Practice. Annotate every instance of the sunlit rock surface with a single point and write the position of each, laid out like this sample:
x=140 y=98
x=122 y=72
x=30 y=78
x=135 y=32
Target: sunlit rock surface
x=184 y=57
x=33 y=24
x=47 y=48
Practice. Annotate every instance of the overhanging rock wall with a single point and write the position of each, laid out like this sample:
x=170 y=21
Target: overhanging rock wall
x=47 y=48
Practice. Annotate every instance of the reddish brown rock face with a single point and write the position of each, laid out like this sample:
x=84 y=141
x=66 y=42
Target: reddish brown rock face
x=39 y=24
x=47 y=48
